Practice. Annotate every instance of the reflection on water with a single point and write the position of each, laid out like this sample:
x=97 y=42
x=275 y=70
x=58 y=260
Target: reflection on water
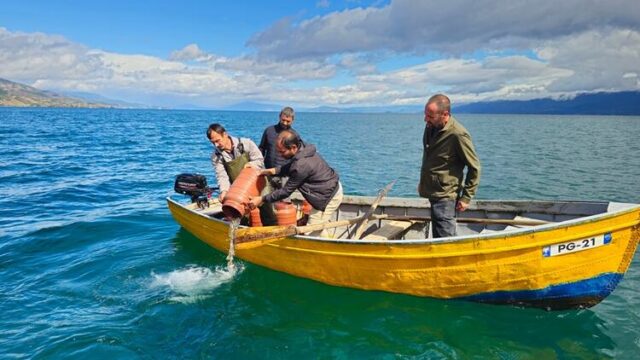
x=417 y=326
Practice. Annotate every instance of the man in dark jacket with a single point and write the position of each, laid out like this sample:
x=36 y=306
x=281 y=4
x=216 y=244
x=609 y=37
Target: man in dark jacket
x=272 y=157
x=318 y=183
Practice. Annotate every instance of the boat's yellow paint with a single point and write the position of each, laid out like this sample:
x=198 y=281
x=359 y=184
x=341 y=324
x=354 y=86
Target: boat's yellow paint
x=441 y=269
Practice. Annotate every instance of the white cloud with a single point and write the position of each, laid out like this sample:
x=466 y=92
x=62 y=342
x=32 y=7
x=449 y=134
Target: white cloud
x=358 y=64
x=599 y=60
x=28 y=56
x=53 y=62
x=323 y=4
x=592 y=60
x=279 y=70
x=453 y=27
x=191 y=52
x=250 y=65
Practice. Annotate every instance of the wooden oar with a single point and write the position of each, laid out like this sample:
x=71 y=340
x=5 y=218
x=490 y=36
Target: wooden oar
x=362 y=224
x=251 y=237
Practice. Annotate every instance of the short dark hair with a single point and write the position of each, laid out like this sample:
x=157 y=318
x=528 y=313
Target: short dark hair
x=288 y=111
x=217 y=128
x=288 y=139
x=442 y=102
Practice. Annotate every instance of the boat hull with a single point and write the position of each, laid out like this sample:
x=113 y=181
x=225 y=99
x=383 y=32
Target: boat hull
x=507 y=268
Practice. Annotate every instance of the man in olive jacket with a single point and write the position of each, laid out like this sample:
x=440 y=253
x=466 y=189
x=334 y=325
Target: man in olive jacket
x=447 y=150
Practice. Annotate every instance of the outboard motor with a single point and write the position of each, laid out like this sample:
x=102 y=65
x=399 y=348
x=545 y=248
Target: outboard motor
x=195 y=186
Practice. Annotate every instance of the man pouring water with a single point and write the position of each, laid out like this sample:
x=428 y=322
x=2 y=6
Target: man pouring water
x=309 y=173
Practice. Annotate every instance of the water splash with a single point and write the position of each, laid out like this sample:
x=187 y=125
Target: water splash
x=194 y=283
x=233 y=226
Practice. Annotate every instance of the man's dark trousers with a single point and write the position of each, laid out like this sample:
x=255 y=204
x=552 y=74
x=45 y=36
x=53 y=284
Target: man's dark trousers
x=443 y=217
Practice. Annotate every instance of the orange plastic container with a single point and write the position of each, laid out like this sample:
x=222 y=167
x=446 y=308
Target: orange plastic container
x=285 y=213
x=248 y=183
x=254 y=217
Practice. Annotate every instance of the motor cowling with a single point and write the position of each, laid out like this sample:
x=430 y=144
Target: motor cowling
x=195 y=186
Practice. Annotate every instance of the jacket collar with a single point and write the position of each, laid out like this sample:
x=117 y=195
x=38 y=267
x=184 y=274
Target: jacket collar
x=449 y=124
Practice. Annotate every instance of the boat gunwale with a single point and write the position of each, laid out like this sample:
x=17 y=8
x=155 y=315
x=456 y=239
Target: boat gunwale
x=629 y=208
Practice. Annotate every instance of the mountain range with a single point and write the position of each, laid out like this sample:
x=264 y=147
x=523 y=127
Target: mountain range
x=20 y=95
x=602 y=103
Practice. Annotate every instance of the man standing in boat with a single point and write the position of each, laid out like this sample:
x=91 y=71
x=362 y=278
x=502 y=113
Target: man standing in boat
x=448 y=149
x=309 y=173
x=272 y=157
x=231 y=155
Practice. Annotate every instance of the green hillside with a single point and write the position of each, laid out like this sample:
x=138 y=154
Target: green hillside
x=20 y=95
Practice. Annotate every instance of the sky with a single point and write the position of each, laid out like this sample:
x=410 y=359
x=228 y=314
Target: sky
x=349 y=53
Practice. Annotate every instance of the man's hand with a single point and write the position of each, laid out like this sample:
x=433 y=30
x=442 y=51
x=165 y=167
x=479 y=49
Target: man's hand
x=271 y=171
x=222 y=195
x=254 y=202
x=462 y=206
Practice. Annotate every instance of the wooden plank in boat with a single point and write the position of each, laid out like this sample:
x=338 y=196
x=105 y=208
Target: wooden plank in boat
x=578 y=208
x=389 y=230
x=413 y=211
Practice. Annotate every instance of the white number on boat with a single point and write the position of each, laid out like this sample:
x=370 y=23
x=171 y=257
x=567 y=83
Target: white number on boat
x=576 y=245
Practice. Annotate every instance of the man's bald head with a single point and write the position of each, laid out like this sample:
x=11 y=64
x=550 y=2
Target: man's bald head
x=288 y=139
x=441 y=101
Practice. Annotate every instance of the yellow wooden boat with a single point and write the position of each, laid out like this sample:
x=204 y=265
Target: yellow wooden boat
x=574 y=260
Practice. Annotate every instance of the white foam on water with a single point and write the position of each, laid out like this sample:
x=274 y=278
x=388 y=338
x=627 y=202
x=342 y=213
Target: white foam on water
x=194 y=283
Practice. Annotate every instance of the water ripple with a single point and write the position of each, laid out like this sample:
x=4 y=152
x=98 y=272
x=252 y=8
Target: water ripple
x=92 y=265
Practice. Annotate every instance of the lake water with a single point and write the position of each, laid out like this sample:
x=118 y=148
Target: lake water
x=93 y=266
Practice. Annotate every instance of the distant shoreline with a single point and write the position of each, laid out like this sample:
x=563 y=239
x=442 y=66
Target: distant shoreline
x=627 y=103
x=303 y=111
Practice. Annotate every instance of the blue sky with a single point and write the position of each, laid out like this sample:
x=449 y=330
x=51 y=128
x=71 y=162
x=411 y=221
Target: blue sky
x=158 y=27
x=321 y=53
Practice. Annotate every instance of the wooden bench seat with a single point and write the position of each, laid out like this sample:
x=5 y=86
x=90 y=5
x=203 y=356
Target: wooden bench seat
x=389 y=230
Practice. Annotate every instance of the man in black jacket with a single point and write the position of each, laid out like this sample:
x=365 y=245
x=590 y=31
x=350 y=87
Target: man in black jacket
x=272 y=157
x=309 y=173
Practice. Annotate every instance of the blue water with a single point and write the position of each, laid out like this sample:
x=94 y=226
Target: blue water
x=92 y=264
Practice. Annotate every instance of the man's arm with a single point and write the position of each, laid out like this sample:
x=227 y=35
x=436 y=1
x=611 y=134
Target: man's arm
x=221 y=175
x=470 y=158
x=296 y=179
x=283 y=170
x=255 y=156
x=263 y=143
